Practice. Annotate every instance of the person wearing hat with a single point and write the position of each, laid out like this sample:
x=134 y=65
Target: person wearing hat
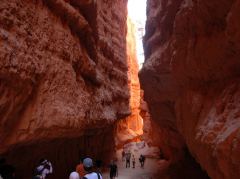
x=88 y=167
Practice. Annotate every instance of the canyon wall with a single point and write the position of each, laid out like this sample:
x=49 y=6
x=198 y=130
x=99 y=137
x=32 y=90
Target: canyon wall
x=151 y=131
x=131 y=127
x=191 y=80
x=63 y=75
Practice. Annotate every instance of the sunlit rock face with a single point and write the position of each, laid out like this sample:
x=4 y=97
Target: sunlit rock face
x=191 y=80
x=63 y=70
x=131 y=127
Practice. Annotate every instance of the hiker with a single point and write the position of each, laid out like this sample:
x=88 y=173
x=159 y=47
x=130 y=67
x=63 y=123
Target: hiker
x=113 y=170
x=128 y=158
x=43 y=169
x=123 y=155
x=74 y=175
x=133 y=161
x=88 y=167
x=80 y=168
x=142 y=160
x=6 y=171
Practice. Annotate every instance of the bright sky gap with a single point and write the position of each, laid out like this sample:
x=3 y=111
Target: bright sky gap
x=137 y=12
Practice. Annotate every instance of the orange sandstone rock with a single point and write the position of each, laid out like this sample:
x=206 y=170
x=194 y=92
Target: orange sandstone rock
x=131 y=128
x=63 y=75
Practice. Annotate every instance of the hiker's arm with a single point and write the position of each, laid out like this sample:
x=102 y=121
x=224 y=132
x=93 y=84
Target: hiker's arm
x=51 y=169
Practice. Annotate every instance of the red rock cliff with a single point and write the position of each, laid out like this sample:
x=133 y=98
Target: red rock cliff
x=191 y=80
x=63 y=74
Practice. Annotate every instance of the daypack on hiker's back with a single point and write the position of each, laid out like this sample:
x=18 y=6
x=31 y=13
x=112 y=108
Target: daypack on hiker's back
x=38 y=173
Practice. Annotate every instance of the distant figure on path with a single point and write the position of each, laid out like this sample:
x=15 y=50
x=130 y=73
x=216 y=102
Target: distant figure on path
x=6 y=171
x=128 y=158
x=142 y=160
x=88 y=167
x=74 y=175
x=43 y=169
x=133 y=161
x=80 y=168
x=113 y=170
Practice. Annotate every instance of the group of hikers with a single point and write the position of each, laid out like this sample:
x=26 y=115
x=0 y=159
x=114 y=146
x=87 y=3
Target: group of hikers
x=128 y=156
x=84 y=170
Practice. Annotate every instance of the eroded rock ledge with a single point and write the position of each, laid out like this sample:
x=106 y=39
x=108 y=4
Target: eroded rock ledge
x=191 y=80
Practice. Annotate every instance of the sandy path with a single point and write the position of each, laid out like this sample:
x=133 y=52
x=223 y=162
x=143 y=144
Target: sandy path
x=152 y=166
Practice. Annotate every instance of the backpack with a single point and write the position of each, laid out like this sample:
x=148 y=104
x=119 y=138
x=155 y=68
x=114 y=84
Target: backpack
x=38 y=173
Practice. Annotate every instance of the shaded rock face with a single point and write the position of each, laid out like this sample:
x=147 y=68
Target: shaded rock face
x=64 y=153
x=63 y=71
x=151 y=131
x=191 y=80
x=131 y=127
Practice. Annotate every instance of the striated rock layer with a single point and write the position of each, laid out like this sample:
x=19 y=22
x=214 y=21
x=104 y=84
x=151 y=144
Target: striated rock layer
x=63 y=73
x=131 y=127
x=191 y=80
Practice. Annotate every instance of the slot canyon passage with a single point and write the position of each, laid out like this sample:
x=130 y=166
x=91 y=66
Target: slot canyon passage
x=69 y=85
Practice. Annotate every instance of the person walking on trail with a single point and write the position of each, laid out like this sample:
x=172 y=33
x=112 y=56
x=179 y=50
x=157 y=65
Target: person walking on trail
x=43 y=169
x=142 y=160
x=74 y=175
x=128 y=158
x=113 y=170
x=133 y=161
x=88 y=167
x=80 y=168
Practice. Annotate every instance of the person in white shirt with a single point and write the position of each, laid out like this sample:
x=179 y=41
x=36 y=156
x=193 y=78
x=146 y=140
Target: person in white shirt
x=74 y=175
x=88 y=167
x=44 y=168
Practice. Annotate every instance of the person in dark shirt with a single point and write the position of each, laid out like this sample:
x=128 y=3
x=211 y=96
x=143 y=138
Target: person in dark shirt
x=113 y=170
x=142 y=160
x=6 y=171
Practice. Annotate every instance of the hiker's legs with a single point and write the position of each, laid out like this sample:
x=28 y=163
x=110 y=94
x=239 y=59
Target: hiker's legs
x=128 y=163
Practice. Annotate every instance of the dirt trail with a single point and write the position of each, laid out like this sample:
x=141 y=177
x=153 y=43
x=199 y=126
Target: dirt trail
x=153 y=169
